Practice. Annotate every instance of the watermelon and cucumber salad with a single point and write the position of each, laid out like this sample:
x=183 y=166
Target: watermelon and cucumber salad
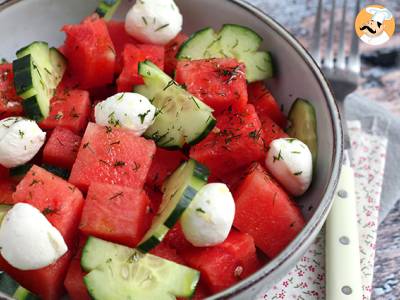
x=154 y=164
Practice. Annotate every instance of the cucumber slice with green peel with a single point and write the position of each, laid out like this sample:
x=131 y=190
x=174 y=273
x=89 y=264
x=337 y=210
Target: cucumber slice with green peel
x=178 y=192
x=23 y=294
x=303 y=125
x=107 y=8
x=181 y=118
x=20 y=171
x=4 y=210
x=234 y=41
x=60 y=172
x=37 y=72
x=119 y=272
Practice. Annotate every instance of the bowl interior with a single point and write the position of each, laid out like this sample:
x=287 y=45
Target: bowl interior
x=297 y=76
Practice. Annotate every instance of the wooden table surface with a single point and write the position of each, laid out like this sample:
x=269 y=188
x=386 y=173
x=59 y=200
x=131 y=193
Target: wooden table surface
x=378 y=83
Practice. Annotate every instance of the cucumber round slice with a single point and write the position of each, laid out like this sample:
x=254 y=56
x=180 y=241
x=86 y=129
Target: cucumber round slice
x=179 y=191
x=107 y=8
x=303 y=125
x=119 y=272
x=237 y=38
x=197 y=45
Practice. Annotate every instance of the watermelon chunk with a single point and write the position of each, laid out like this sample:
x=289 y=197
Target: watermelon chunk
x=7 y=188
x=74 y=281
x=266 y=212
x=62 y=148
x=58 y=200
x=4 y=173
x=220 y=82
x=132 y=55
x=47 y=282
x=10 y=102
x=69 y=109
x=90 y=52
x=165 y=251
x=271 y=131
x=265 y=104
x=164 y=164
x=237 y=142
x=120 y=38
x=112 y=155
x=171 y=49
x=115 y=213
x=226 y=264
x=176 y=239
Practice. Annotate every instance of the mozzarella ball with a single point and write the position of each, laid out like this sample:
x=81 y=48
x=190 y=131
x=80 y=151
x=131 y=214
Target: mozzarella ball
x=154 y=21
x=290 y=162
x=20 y=140
x=126 y=110
x=208 y=219
x=27 y=239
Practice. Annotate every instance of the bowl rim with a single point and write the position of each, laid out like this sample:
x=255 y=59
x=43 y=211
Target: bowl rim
x=302 y=240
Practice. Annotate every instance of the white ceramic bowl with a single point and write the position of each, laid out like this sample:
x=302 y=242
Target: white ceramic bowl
x=297 y=76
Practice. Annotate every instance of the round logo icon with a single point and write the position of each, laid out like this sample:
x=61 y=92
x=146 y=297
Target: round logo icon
x=375 y=25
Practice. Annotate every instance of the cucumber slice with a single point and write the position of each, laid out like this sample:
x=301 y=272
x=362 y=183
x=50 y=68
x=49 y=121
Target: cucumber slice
x=23 y=294
x=181 y=118
x=60 y=172
x=4 y=210
x=107 y=8
x=234 y=41
x=303 y=125
x=179 y=190
x=119 y=272
x=20 y=171
x=37 y=72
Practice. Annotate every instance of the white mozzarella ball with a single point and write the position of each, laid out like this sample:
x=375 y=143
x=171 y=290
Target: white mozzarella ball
x=290 y=162
x=154 y=21
x=208 y=219
x=20 y=140
x=126 y=110
x=27 y=239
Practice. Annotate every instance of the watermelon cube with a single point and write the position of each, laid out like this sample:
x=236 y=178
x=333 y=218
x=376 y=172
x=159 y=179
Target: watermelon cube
x=47 y=282
x=265 y=104
x=265 y=211
x=220 y=82
x=58 y=200
x=171 y=49
x=176 y=239
x=69 y=109
x=132 y=55
x=164 y=164
x=167 y=252
x=115 y=213
x=112 y=155
x=271 y=131
x=236 y=143
x=226 y=264
x=74 y=281
x=10 y=102
x=7 y=188
x=61 y=148
x=4 y=173
x=120 y=38
x=90 y=52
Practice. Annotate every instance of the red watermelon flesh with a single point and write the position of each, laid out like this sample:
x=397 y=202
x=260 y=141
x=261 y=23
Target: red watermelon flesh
x=132 y=55
x=90 y=52
x=7 y=188
x=112 y=155
x=61 y=148
x=164 y=164
x=4 y=173
x=176 y=239
x=220 y=82
x=236 y=143
x=163 y=250
x=171 y=49
x=74 y=281
x=10 y=102
x=115 y=213
x=266 y=212
x=265 y=104
x=58 y=200
x=69 y=109
x=47 y=282
x=120 y=38
x=272 y=131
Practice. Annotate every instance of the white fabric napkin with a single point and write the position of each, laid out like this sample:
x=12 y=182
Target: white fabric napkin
x=307 y=279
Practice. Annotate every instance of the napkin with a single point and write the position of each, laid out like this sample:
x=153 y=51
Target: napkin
x=369 y=150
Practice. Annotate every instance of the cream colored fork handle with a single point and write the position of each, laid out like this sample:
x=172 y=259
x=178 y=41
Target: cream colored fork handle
x=343 y=274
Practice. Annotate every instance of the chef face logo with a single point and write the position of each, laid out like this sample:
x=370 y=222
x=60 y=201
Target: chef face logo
x=375 y=25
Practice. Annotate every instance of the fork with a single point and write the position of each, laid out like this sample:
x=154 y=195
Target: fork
x=343 y=274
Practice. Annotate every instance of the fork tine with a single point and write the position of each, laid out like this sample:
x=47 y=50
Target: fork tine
x=341 y=58
x=315 y=48
x=328 y=61
x=354 y=58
